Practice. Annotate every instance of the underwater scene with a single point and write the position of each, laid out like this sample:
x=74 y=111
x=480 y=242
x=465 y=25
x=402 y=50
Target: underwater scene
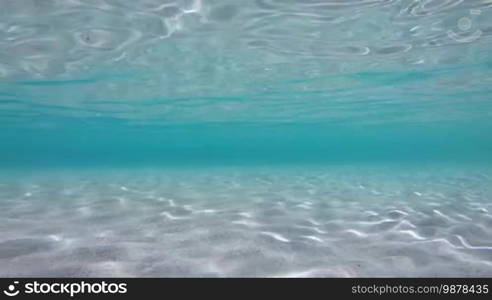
x=259 y=138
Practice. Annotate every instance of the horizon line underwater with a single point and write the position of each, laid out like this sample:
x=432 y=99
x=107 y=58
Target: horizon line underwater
x=266 y=138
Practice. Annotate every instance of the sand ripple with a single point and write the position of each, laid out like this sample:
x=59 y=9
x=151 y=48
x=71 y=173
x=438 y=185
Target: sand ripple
x=249 y=222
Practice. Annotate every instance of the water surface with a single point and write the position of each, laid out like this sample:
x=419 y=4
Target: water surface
x=246 y=138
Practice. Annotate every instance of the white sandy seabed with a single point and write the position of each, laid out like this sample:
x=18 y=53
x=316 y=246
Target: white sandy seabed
x=285 y=222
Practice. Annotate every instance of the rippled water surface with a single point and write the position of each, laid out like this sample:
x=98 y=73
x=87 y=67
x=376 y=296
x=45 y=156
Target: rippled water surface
x=245 y=138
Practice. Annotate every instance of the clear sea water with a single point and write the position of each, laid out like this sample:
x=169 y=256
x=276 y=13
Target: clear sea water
x=271 y=138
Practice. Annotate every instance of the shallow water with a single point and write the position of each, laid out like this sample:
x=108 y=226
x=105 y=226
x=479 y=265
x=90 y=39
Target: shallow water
x=257 y=221
x=254 y=138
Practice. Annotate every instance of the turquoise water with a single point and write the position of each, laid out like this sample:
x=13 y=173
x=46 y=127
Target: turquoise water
x=254 y=138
